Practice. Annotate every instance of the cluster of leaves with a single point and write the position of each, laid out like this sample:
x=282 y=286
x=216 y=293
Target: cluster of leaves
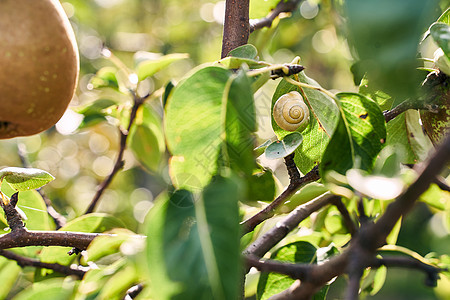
x=207 y=122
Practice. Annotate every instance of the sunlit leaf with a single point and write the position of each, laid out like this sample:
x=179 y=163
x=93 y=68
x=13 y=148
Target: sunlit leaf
x=210 y=115
x=105 y=77
x=95 y=112
x=359 y=136
x=244 y=51
x=146 y=139
x=441 y=35
x=324 y=115
x=147 y=68
x=286 y=146
x=193 y=244
x=32 y=204
x=24 y=179
x=375 y=186
x=93 y=223
x=50 y=289
x=274 y=283
x=9 y=272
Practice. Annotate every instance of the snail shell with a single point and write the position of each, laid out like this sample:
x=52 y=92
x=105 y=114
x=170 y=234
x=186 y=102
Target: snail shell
x=290 y=112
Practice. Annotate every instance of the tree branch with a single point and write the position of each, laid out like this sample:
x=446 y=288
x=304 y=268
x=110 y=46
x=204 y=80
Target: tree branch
x=282 y=7
x=401 y=108
x=296 y=271
x=236 y=28
x=118 y=165
x=268 y=240
x=295 y=183
x=432 y=272
x=24 y=237
x=26 y=261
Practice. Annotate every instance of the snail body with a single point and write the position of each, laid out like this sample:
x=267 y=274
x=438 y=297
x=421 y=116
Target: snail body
x=290 y=112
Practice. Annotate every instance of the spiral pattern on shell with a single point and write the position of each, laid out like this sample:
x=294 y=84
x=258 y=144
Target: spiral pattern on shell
x=290 y=112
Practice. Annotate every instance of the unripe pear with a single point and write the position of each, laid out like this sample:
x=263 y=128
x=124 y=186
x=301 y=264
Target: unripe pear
x=39 y=65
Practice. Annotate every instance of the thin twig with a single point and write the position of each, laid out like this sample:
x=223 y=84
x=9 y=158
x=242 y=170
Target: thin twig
x=26 y=261
x=236 y=28
x=269 y=211
x=282 y=7
x=118 y=165
x=401 y=108
x=410 y=263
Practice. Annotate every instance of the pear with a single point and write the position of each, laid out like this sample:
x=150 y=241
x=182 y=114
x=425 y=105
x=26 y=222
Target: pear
x=39 y=66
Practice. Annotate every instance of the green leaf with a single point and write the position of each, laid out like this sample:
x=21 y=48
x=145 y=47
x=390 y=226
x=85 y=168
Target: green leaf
x=95 y=279
x=209 y=117
x=146 y=67
x=50 y=289
x=273 y=283
x=105 y=245
x=386 y=40
x=193 y=244
x=359 y=137
x=441 y=35
x=92 y=223
x=147 y=139
x=445 y=17
x=260 y=186
x=324 y=115
x=24 y=179
x=32 y=204
x=105 y=77
x=245 y=51
x=231 y=62
x=286 y=146
x=9 y=273
x=95 y=112
x=117 y=285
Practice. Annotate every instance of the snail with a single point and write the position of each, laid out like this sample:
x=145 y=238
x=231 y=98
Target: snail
x=290 y=112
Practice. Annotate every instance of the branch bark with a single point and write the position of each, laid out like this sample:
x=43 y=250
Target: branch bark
x=26 y=261
x=236 y=28
x=295 y=183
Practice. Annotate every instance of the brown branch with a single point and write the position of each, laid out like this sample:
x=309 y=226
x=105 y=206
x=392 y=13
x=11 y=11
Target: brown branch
x=351 y=226
x=268 y=240
x=296 y=271
x=26 y=261
x=269 y=211
x=24 y=238
x=282 y=7
x=118 y=165
x=236 y=28
x=431 y=271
